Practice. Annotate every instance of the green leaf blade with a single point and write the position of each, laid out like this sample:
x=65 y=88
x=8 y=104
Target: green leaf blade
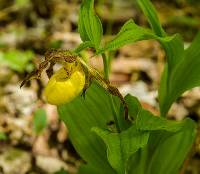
x=168 y=144
x=148 y=122
x=80 y=116
x=183 y=76
x=174 y=147
x=121 y=146
x=129 y=33
x=89 y=25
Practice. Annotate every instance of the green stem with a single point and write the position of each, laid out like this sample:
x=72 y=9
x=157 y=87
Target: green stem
x=106 y=64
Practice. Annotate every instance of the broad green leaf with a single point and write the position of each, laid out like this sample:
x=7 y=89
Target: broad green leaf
x=89 y=25
x=121 y=146
x=165 y=153
x=137 y=162
x=130 y=33
x=148 y=122
x=39 y=121
x=168 y=145
x=80 y=116
x=173 y=147
x=81 y=26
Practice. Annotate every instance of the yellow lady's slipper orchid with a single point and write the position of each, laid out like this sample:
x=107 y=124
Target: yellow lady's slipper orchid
x=65 y=84
x=69 y=81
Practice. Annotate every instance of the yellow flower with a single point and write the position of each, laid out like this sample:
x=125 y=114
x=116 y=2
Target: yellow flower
x=65 y=84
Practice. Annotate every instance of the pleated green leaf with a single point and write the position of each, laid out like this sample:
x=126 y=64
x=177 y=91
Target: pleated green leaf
x=168 y=150
x=165 y=152
x=130 y=33
x=89 y=24
x=80 y=116
x=168 y=144
x=147 y=121
x=121 y=146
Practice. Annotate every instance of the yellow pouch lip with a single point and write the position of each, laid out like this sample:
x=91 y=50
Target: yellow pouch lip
x=62 y=87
